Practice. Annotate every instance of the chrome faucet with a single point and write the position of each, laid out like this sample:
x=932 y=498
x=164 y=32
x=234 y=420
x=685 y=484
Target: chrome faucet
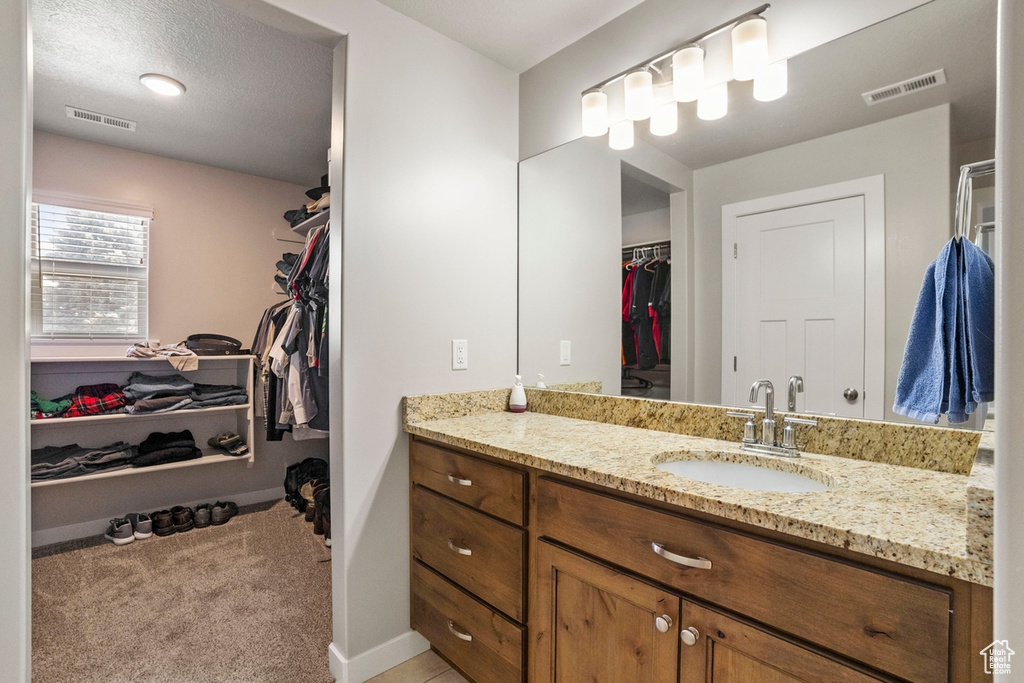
x=796 y=384
x=768 y=423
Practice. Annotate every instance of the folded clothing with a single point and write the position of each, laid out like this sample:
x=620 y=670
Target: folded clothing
x=162 y=404
x=141 y=385
x=236 y=400
x=178 y=355
x=166 y=455
x=42 y=408
x=62 y=462
x=160 y=440
x=96 y=399
x=203 y=392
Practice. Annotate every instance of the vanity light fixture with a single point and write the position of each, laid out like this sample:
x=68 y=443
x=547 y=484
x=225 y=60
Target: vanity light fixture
x=620 y=135
x=639 y=95
x=749 y=34
x=749 y=47
x=164 y=85
x=772 y=81
x=595 y=114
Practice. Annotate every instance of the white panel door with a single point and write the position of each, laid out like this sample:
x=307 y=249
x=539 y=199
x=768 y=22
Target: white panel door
x=799 y=303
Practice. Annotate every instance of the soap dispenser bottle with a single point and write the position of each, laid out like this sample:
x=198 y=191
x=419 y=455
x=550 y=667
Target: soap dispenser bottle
x=517 y=401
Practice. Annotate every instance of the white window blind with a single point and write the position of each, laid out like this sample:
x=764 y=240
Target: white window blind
x=90 y=274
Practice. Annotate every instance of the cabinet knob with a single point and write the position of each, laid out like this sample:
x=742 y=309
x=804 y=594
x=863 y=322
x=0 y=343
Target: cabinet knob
x=851 y=394
x=663 y=623
x=689 y=636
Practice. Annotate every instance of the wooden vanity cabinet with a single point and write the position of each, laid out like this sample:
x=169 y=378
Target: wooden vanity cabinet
x=565 y=584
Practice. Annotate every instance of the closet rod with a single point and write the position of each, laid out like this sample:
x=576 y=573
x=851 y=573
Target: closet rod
x=980 y=168
x=647 y=245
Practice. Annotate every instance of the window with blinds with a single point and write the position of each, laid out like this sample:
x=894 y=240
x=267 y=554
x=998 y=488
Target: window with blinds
x=90 y=274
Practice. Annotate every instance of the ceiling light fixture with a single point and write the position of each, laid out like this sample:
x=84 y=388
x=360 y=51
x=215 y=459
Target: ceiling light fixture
x=749 y=34
x=164 y=85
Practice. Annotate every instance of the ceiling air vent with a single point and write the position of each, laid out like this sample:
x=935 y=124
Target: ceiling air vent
x=906 y=87
x=101 y=119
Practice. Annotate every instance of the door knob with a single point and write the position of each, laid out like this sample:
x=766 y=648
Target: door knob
x=850 y=395
x=689 y=636
x=663 y=623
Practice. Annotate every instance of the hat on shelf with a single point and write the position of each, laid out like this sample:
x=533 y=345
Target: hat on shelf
x=319 y=204
x=317 y=192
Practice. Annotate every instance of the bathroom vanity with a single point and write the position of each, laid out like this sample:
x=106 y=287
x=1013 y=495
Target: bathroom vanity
x=536 y=536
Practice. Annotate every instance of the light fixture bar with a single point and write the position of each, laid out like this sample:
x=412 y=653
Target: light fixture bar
x=696 y=39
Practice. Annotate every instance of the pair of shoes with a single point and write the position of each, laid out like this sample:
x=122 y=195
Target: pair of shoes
x=119 y=532
x=321 y=500
x=221 y=513
x=232 y=443
x=203 y=515
x=298 y=474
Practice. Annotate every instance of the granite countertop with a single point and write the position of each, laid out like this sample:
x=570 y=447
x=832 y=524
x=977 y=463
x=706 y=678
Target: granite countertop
x=913 y=516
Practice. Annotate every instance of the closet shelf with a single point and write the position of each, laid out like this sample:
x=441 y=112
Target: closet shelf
x=113 y=417
x=209 y=458
x=203 y=360
x=314 y=221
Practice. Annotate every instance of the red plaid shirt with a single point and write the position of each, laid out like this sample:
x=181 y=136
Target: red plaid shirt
x=96 y=399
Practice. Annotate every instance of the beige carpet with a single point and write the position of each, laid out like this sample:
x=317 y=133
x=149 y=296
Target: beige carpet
x=249 y=601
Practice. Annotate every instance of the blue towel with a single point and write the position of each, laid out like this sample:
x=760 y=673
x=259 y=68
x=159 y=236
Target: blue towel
x=948 y=361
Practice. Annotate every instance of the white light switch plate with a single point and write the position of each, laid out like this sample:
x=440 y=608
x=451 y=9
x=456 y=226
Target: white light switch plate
x=460 y=354
x=564 y=353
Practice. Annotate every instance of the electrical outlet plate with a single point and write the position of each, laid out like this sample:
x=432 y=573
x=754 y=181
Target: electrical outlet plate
x=564 y=352
x=460 y=354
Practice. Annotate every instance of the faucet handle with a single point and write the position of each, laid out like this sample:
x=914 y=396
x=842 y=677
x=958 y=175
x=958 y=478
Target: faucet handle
x=749 y=428
x=789 y=434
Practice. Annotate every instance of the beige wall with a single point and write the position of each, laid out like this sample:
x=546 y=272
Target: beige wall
x=912 y=151
x=212 y=259
x=212 y=248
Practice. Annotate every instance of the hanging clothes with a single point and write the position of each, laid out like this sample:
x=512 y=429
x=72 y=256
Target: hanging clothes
x=291 y=344
x=640 y=317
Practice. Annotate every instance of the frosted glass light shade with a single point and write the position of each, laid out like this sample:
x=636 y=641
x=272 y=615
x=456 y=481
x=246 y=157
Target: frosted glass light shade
x=772 y=81
x=620 y=136
x=665 y=119
x=713 y=102
x=749 y=48
x=688 y=73
x=595 y=114
x=639 y=92
x=164 y=85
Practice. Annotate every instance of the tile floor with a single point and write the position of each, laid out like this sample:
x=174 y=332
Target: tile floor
x=421 y=669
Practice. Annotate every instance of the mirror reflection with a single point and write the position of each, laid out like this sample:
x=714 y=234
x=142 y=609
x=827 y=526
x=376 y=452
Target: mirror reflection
x=786 y=240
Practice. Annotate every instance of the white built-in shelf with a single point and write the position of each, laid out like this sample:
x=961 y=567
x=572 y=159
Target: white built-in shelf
x=314 y=221
x=208 y=458
x=115 y=417
x=123 y=359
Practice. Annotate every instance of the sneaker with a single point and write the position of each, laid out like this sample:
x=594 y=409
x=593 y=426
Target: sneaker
x=230 y=442
x=222 y=512
x=182 y=517
x=119 y=532
x=203 y=516
x=142 y=524
x=163 y=523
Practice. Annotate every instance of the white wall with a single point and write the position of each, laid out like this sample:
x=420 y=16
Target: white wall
x=1009 y=504
x=912 y=151
x=430 y=151
x=15 y=165
x=570 y=266
x=649 y=226
x=549 y=103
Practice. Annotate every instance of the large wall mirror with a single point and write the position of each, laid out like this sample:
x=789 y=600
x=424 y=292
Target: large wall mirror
x=788 y=238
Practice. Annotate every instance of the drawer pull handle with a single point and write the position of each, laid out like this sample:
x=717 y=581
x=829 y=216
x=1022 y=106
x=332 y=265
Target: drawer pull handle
x=464 y=551
x=458 y=480
x=462 y=635
x=699 y=563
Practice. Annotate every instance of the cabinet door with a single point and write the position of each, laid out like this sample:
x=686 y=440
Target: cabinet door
x=725 y=650
x=597 y=624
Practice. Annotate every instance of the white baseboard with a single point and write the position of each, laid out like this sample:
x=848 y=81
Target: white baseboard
x=376 y=661
x=96 y=527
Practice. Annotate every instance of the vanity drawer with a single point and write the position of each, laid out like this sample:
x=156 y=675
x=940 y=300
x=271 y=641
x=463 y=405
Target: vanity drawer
x=896 y=625
x=485 y=486
x=481 y=642
x=477 y=552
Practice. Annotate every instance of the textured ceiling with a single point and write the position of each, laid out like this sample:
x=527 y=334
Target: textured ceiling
x=258 y=99
x=825 y=86
x=515 y=33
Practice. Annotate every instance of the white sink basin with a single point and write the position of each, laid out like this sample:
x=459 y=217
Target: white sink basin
x=742 y=476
